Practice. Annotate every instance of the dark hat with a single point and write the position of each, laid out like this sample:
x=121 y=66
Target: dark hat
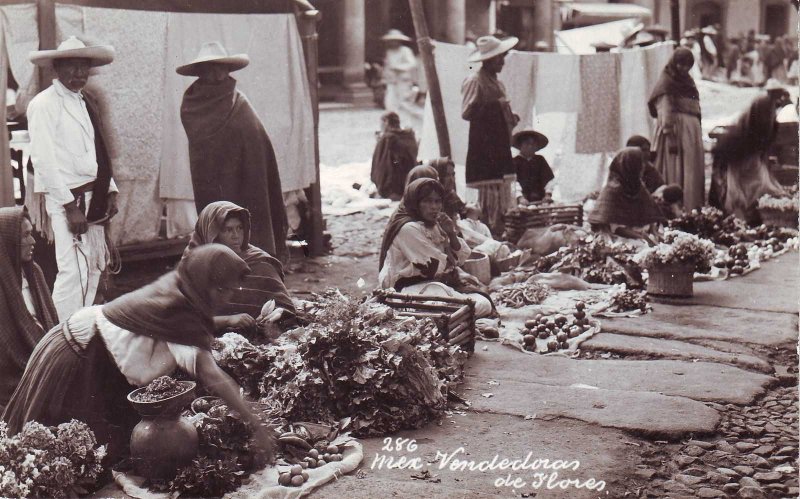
x=541 y=140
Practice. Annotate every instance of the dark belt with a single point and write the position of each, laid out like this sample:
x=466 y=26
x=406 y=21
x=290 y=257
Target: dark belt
x=80 y=195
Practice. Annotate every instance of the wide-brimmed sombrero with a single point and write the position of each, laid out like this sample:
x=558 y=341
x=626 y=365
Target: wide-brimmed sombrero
x=541 y=139
x=216 y=53
x=395 y=35
x=74 y=48
x=490 y=46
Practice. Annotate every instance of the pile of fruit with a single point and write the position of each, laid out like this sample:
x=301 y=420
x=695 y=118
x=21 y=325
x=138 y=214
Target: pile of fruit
x=556 y=330
x=737 y=260
x=629 y=300
x=316 y=457
x=519 y=294
x=160 y=388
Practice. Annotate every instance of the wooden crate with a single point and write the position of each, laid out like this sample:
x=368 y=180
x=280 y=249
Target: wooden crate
x=520 y=219
x=454 y=317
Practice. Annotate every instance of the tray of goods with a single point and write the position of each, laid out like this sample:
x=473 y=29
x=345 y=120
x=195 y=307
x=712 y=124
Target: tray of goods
x=560 y=332
x=454 y=317
x=737 y=262
x=522 y=218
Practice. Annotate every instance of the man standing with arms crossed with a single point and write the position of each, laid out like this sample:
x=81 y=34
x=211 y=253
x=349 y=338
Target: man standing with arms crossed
x=72 y=171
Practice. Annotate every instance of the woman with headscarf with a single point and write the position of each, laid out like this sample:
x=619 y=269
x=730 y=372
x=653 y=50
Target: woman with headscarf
x=26 y=307
x=675 y=103
x=394 y=156
x=740 y=174
x=624 y=207
x=421 y=249
x=85 y=367
x=226 y=223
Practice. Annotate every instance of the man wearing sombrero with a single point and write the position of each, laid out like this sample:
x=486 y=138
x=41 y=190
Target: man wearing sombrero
x=72 y=171
x=485 y=105
x=230 y=154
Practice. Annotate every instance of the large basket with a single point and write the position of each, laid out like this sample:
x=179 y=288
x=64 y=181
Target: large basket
x=454 y=317
x=479 y=266
x=520 y=219
x=779 y=218
x=671 y=280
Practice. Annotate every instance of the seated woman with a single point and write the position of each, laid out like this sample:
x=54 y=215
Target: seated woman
x=624 y=207
x=26 y=308
x=229 y=224
x=85 y=367
x=421 y=251
x=394 y=156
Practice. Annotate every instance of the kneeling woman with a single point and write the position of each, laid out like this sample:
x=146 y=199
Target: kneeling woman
x=85 y=367
x=624 y=207
x=229 y=224
x=421 y=250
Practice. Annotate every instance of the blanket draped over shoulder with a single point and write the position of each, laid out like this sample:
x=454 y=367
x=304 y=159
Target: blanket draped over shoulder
x=19 y=330
x=232 y=159
x=394 y=157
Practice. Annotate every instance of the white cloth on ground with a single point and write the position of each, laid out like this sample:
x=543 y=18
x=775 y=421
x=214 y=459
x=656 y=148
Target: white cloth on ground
x=141 y=359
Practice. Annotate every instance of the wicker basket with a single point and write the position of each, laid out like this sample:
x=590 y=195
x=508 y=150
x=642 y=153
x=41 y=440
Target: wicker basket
x=520 y=219
x=779 y=218
x=478 y=265
x=454 y=317
x=671 y=280
x=509 y=263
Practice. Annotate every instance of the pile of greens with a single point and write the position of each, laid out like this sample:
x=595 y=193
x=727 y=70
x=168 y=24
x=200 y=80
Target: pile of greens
x=355 y=360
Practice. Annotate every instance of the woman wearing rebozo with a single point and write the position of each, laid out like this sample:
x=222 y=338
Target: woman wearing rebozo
x=675 y=103
x=85 y=367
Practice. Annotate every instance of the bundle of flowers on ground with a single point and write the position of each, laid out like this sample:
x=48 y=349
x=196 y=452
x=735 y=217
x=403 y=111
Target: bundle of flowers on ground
x=782 y=203
x=679 y=248
x=355 y=360
x=596 y=260
x=42 y=461
x=710 y=223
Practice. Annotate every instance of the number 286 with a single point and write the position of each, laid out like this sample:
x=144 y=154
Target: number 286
x=399 y=444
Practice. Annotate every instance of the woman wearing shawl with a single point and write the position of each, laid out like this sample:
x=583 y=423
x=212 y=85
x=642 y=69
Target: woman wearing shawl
x=394 y=156
x=624 y=205
x=741 y=175
x=675 y=103
x=230 y=154
x=85 y=367
x=421 y=250
x=485 y=105
x=26 y=308
x=229 y=224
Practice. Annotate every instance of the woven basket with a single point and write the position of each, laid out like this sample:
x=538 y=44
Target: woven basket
x=478 y=265
x=671 y=280
x=508 y=263
x=779 y=218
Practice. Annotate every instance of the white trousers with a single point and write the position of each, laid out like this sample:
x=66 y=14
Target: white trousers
x=77 y=280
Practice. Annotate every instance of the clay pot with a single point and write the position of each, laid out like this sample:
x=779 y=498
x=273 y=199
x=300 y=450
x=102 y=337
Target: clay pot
x=163 y=441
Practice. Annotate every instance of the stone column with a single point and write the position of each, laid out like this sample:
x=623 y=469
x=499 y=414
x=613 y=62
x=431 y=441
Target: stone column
x=543 y=21
x=352 y=49
x=455 y=16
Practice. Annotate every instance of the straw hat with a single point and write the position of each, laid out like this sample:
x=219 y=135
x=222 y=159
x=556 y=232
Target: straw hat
x=490 y=46
x=709 y=30
x=773 y=84
x=395 y=35
x=541 y=139
x=216 y=53
x=74 y=47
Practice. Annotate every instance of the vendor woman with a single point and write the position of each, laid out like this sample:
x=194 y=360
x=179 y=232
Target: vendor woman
x=624 y=207
x=421 y=250
x=229 y=224
x=85 y=367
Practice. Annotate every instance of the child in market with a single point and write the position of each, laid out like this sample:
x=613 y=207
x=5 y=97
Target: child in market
x=533 y=172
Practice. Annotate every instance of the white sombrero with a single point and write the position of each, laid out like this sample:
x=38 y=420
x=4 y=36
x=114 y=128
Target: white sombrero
x=216 y=53
x=490 y=46
x=395 y=35
x=74 y=48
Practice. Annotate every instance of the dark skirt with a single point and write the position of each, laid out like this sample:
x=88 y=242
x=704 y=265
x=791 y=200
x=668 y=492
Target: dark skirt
x=64 y=382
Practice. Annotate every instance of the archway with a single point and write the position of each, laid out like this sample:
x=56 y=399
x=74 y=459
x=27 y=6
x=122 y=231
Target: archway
x=776 y=18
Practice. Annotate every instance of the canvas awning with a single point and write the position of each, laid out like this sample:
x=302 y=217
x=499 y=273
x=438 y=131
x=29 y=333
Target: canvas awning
x=585 y=14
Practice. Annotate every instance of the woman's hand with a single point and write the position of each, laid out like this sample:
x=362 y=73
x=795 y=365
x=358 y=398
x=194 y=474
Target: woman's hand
x=242 y=322
x=447 y=224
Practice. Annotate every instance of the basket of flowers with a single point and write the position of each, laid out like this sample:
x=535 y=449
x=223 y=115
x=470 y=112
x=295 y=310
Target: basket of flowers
x=672 y=263
x=779 y=211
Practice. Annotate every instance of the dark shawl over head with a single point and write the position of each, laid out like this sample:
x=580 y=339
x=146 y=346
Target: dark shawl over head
x=421 y=171
x=753 y=132
x=232 y=159
x=265 y=282
x=624 y=200
x=394 y=157
x=445 y=171
x=178 y=307
x=674 y=83
x=407 y=211
x=19 y=331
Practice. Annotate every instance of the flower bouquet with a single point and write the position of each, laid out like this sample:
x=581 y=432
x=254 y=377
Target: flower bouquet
x=672 y=263
x=42 y=461
x=780 y=211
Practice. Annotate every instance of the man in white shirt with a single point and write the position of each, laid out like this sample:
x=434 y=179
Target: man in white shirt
x=72 y=170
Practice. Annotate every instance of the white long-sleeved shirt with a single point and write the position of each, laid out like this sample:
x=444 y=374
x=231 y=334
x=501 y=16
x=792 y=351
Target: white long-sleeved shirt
x=62 y=143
